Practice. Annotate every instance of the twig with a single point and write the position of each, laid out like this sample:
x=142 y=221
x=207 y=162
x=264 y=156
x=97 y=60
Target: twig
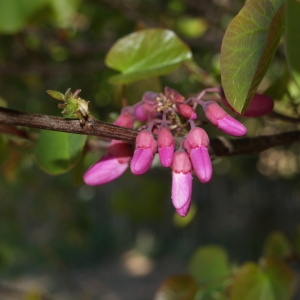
x=93 y=127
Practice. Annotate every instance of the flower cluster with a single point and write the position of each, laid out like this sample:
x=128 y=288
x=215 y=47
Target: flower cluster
x=168 y=125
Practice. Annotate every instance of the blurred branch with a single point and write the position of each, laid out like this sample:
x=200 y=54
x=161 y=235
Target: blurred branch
x=220 y=146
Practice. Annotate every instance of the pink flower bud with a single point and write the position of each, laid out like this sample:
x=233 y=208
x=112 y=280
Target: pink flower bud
x=111 y=166
x=221 y=119
x=173 y=95
x=126 y=118
x=144 y=152
x=181 y=182
x=260 y=105
x=197 y=144
x=186 y=111
x=166 y=145
x=145 y=110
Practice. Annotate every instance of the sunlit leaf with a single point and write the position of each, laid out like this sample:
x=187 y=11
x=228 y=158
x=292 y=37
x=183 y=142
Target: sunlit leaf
x=248 y=47
x=277 y=245
x=251 y=283
x=58 y=152
x=292 y=36
x=281 y=277
x=209 y=264
x=177 y=287
x=146 y=53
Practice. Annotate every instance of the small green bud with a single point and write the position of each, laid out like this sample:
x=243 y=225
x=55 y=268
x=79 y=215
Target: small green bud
x=73 y=106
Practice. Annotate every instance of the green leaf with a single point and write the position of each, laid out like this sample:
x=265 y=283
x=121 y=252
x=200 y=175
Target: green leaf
x=209 y=265
x=177 y=287
x=58 y=152
x=292 y=37
x=281 y=277
x=146 y=53
x=277 y=245
x=56 y=95
x=251 y=284
x=248 y=47
x=137 y=76
x=64 y=11
x=14 y=14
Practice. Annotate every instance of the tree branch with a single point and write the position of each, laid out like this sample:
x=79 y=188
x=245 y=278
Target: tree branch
x=220 y=146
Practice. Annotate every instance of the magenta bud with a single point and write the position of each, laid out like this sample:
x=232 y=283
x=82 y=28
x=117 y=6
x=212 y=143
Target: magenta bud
x=144 y=111
x=111 y=166
x=186 y=111
x=196 y=144
x=181 y=182
x=166 y=145
x=221 y=119
x=126 y=118
x=143 y=155
x=260 y=105
x=173 y=95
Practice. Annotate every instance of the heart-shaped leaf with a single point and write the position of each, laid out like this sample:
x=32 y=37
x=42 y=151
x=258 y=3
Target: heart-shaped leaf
x=58 y=152
x=146 y=53
x=248 y=47
x=292 y=37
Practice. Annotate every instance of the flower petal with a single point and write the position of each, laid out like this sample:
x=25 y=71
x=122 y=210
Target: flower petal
x=141 y=160
x=184 y=210
x=166 y=155
x=231 y=126
x=181 y=191
x=105 y=170
x=201 y=163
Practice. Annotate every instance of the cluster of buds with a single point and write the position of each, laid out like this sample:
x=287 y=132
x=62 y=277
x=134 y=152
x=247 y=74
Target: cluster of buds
x=168 y=125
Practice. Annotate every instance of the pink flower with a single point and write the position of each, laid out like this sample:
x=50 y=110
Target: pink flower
x=196 y=144
x=145 y=110
x=181 y=182
x=260 y=105
x=173 y=95
x=166 y=146
x=144 y=152
x=126 y=118
x=111 y=166
x=221 y=119
x=186 y=111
